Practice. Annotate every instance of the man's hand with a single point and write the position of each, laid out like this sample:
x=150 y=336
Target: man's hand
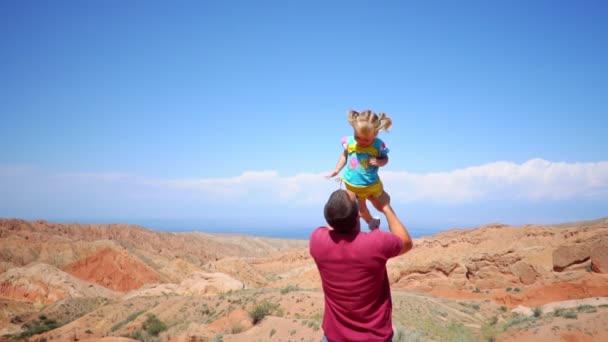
x=382 y=202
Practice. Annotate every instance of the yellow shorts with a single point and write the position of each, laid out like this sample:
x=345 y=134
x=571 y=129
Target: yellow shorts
x=364 y=192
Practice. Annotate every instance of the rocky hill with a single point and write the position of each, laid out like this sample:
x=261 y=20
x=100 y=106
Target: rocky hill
x=92 y=282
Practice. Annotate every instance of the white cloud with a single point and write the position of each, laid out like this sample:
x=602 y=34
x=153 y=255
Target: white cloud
x=305 y=188
x=534 y=180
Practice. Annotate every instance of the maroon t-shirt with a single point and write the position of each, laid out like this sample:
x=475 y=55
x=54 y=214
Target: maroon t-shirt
x=355 y=283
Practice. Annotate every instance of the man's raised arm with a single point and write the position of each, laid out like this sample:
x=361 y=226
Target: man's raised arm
x=395 y=225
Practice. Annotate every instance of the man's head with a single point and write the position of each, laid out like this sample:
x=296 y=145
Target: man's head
x=342 y=211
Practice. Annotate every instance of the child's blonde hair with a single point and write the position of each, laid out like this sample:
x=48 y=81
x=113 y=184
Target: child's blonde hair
x=366 y=122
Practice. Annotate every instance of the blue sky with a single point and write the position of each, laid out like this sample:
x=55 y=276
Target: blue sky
x=228 y=113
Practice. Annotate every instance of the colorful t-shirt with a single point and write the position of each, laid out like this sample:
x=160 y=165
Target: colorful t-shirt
x=358 y=171
x=355 y=282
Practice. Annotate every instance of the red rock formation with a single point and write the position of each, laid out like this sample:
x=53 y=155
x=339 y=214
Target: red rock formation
x=114 y=269
x=568 y=255
x=46 y=284
x=525 y=272
x=34 y=292
x=599 y=257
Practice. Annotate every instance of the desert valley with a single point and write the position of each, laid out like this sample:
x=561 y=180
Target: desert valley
x=73 y=282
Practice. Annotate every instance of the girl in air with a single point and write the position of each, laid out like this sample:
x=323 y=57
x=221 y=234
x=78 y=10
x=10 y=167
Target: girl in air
x=364 y=153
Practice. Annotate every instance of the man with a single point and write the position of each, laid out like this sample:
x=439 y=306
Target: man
x=352 y=265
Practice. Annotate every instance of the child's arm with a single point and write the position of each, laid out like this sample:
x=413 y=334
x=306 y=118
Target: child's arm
x=339 y=165
x=382 y=159
x=378 y=161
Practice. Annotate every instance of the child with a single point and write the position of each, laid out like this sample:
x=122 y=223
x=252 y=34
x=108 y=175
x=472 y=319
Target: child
x=365 y=153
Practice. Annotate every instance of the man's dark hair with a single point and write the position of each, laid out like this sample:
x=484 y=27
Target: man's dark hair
x=341 y=211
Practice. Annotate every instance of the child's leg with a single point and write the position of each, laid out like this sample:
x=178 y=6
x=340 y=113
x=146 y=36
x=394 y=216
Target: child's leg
x=362 y=197
x=373 y=223
x=376 y=195
x=363 y=211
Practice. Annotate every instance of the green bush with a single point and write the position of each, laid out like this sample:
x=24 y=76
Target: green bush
x=38 y=327
x=517 y=320
x=236 y=328
x=457 y=332
x=290 y=288
x=261 y=310
x=153 y=325
x=129 y=318
x=136 y=335
x=404 y=335
x=586 y=308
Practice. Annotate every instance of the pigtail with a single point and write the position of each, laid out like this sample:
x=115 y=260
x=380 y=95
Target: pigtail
x=369 y=121
x=352 y=117
x=367 y=115
x=384 y=122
